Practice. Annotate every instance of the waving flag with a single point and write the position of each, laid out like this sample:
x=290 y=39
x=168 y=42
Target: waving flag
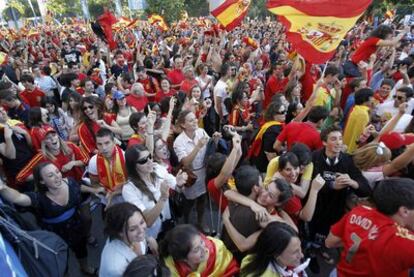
x=316 y=28
x=229 y=13
x=103 y=28
x=158 y=20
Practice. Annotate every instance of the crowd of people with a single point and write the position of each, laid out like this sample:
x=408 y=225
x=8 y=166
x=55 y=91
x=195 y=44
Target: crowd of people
x=214 y=153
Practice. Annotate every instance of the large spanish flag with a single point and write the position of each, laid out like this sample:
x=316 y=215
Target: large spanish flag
x=315 y=28
x=229 y=13
x=159 y=21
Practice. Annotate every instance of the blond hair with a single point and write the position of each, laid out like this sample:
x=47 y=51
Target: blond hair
x=63 y=147
x=371 y=155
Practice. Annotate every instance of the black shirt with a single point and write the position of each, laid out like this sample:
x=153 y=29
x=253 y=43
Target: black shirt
x=24 y=154
x=268 y=139
x=331 y=203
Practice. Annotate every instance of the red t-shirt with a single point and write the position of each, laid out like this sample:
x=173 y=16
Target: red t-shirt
x=293 y=207
x=176 y=76
x=367 y=48
x=33 y=97
x=187 y=85
x=138 y=102
x=273 y=86
x=151 y=86
x=215 y=195
x=303 y=132
x=161 y=95
x=374 y=245
x=37 y=135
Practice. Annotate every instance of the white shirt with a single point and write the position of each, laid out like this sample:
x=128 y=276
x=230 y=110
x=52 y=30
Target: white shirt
x=46 y=84
x=205 y=93
x=388 y=108
x=116 y=257
x=220 y=90
x=183 y=146
x=131 y=194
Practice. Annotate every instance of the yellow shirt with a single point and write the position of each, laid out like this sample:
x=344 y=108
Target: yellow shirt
x=273 y=167
x=358 y=119
x=325 y=98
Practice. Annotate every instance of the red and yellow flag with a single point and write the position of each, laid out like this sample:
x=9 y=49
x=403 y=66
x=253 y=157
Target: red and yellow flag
x=158 y=20
x=230 y=13
x=316 y=28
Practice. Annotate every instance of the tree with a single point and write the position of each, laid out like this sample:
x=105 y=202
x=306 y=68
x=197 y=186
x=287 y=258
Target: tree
x=196 y=8
x=170 y=9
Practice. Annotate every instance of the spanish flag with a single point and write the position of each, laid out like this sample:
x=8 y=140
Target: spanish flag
x=316 y=28
x=229 y=13
x=103 y=28
x=158 y=20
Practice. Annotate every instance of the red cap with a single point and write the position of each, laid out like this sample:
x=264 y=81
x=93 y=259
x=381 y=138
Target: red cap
x=394 y=140
x=49 y=129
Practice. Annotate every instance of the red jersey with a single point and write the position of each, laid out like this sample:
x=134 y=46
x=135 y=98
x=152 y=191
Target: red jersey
x=367 y=48
x=87 y=138
x=38 y=135
x=273 y=86
x=151 y=86
x=374 y=245
x=303 y=132
x=161 y=95
x=187 y=85
x=216 y=194
x=59 y=161
x=176 y=76
x=32 y=98
x=138 y=102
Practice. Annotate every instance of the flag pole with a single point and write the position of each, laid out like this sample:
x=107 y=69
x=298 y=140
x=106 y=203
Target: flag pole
x=324 y=69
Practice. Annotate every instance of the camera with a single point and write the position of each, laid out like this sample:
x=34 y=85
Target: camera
x=329 y=178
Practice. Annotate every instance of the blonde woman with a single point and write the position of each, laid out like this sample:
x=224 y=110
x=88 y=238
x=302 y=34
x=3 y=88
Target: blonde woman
x=66 y=156
x=374 y=161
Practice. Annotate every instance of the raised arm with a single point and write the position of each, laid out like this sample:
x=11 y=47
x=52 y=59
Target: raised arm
x=13 y=196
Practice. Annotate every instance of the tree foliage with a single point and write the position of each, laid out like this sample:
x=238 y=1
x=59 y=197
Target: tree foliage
x=171 y=10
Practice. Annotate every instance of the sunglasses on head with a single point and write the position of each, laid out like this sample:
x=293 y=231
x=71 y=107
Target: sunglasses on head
x=145 y=160
x=88 y=108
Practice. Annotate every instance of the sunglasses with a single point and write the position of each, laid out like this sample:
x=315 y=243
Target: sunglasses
x=282 y=112
x=145 y=160
x=401 y=98
x=88 y=108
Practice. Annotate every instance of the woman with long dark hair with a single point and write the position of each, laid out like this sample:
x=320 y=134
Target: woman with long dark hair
x=148 y=188
x=92 y=120
x=38 y=123
x=56 y=202
x=125 y=226
x=187 y=252
x=57 y=118
x=277 y=253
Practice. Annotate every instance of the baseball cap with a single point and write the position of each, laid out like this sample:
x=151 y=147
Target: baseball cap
x=49 y=129
x=118 y=95
x=394 y=140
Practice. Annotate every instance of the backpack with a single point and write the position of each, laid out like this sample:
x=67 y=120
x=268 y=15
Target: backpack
x=41 y=253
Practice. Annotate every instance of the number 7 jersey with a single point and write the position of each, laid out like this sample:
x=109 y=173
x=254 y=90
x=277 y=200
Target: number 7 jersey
x=374 y=245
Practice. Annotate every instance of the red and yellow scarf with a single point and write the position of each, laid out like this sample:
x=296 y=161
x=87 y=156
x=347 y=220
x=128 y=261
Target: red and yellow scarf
x=111 y=178
x=220 y=262
x=256 y=147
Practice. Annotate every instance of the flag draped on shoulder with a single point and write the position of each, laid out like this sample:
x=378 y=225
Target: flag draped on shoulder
x=316 y=28
x=229 y=13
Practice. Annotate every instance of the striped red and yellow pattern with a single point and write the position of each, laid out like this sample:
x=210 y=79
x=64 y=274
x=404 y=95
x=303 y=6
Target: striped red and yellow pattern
x=230 y=13
x=316 y=28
